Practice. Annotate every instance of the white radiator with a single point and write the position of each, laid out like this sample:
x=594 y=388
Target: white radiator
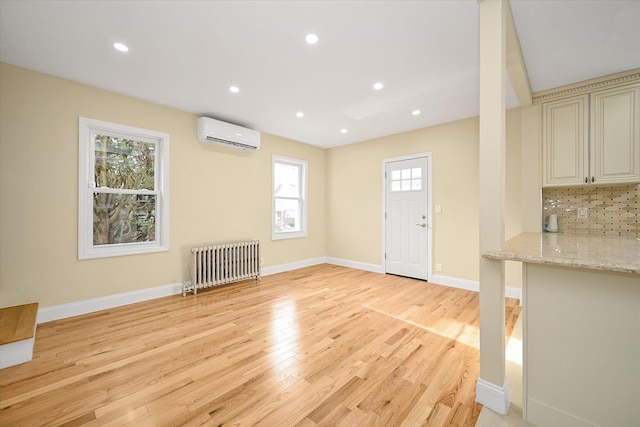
x=221 y=264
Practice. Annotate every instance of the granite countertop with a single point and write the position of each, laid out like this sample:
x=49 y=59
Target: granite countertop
x=620 y=254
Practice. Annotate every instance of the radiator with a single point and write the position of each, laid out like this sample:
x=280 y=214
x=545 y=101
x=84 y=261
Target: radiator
x=221 y=264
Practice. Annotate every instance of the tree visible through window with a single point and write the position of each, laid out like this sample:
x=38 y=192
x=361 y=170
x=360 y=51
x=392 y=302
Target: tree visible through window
x=123 y=193
x=121 y=164
x=289 y=198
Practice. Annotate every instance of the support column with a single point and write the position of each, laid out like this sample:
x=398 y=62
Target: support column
x=492 y=388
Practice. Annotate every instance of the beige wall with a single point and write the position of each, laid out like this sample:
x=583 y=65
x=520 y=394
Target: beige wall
x=530 y=149
x=220 y=194
x=217 y=194
x=354 y=194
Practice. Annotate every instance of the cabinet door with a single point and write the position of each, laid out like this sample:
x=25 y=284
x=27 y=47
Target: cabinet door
x=615 y=134
x=565 y=154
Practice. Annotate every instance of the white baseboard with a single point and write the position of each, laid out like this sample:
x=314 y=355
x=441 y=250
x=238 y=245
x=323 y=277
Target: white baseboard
x=492 y=396
x=15 y=353
x=274 y=269
x=473 y=285
x=515 y=293
x=77 y=308
x=375 y=268
x=62 y=311
x=455 y=282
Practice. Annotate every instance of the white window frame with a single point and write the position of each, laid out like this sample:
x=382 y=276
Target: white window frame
x=86 y=149
x=303 y=165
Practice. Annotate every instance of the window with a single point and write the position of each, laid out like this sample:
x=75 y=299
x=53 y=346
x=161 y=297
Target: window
x=406 y=179
x=289 y=211
x=123 y=190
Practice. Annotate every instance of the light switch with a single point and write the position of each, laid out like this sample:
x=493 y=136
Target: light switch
x=438 y=209
x=583 y=213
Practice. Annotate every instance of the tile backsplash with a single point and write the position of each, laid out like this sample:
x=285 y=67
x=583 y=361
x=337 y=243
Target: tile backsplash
x=611 y=210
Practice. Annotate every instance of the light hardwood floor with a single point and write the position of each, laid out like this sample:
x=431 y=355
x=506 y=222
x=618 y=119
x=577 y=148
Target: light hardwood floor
x=323 y=345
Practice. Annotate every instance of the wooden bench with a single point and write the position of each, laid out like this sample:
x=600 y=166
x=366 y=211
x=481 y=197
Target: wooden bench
x=17 y=333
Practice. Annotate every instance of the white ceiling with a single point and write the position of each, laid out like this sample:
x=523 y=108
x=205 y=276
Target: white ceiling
x=186 y=54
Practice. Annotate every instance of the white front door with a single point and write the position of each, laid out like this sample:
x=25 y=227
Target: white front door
x=407 y=217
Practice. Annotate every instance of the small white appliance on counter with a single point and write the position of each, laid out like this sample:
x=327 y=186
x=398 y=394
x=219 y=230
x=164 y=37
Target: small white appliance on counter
x=552 y=226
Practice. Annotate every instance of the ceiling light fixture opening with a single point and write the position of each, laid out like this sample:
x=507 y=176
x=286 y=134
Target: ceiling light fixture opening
x=234 y=89
x=311 y=38
x=378 y=86
x=343 y=130
x=415 y=112
x=299 y=114
x=121 y=47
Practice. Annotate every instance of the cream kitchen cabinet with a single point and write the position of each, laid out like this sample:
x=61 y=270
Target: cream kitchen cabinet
x=615 y=135
x=565 y=141
x=592 y=138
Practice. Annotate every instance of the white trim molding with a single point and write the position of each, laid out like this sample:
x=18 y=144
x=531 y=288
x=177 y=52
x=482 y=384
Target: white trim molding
x=374 y=268
x=88 y=130
x=302 y=166
x=604 y=82
x=275 y=269
x=473 y=285
x=492 y=396
x=76 y=308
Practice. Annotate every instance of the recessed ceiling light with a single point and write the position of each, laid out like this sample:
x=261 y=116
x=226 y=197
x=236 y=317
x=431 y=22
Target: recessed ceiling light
x=121 y=47
x=234 y=89
x=344 y=130
x=299 y=114
x=415 y=112
x=311 y=38
x=378 y=86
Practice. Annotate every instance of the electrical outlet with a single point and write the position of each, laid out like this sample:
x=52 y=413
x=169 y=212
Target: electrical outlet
x=438 y=209
x=261 y=260
x=583 y=213
x=438 y=267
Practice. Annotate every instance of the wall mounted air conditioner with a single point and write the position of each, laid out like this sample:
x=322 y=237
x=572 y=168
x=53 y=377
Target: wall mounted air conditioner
x=214 y=131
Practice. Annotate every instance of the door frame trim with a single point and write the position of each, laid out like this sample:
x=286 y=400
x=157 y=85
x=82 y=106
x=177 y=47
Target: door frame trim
x=428 y=156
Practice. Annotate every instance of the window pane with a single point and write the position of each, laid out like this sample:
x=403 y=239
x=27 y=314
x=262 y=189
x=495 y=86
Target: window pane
x=395 y=185
x=287 y=216
x=416 y=184
x=406 y=173
x=406 y=185
x=416 y=173
x=286 y=180
x=124 y=163
x=123 y=218
x=395 y=175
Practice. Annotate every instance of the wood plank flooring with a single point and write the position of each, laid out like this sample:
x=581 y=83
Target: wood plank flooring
x=319 y=346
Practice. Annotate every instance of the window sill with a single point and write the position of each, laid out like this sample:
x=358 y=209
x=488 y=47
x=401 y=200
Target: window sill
x=289 y=235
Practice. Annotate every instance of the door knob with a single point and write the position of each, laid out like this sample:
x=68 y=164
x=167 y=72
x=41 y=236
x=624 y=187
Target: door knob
x=423 y=225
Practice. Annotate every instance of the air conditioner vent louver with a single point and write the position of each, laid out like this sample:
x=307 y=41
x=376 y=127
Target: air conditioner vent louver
x=232 y=143
x=216 y=132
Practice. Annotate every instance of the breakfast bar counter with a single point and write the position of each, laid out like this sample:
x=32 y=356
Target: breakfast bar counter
x=607 y=253
x=581 y=328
